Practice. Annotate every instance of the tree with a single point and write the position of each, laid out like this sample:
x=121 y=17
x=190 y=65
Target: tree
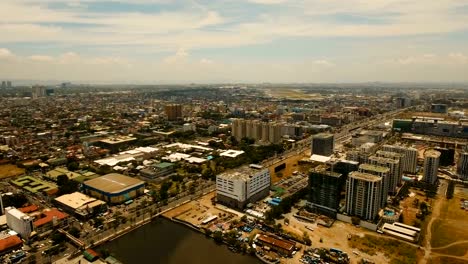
x=58 y=238
x=244 y=218
x=74 y=232
x=73 y=166
x=218 y=237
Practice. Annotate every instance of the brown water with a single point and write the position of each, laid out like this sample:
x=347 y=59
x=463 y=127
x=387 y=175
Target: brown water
x=165 y=242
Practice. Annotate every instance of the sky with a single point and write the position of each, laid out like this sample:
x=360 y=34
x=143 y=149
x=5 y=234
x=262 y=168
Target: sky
x=208 y=41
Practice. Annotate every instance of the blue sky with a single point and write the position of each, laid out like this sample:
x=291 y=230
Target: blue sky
x=158 y=41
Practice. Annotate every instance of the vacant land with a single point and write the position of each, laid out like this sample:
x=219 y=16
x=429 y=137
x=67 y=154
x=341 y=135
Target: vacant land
x=10 y=170
x=411 y=206
x=291 y=166
x=445 y=260
x=397 y=251
x=452 y=222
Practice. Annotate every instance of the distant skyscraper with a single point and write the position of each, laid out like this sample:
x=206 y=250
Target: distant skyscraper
x=38 y=91
x=4 y=85
x=462 y=167
x=323 y=144
x=363 y=195
x=325 y=191
x=431 y=165
x=8 y=84
x=173 y=112
x=410 y=158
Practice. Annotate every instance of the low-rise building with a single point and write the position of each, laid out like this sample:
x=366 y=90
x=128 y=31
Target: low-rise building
x=236 y=188
x=114 y=188
x=80 y=204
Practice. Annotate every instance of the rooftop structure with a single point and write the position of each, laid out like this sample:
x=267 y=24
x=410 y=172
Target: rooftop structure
x=114 y=187
x=79 y=203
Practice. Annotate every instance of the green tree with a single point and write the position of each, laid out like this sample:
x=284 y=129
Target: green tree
x=74 y=232
x=218 y=237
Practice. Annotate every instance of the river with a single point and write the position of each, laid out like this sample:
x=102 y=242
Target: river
x=165 y=242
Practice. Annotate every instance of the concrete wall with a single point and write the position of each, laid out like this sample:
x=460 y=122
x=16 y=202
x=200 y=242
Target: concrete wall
x=365 y=224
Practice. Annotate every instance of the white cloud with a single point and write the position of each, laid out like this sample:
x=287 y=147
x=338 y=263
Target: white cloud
x=322 y=62
x=180 y=56
x=41 y=58
x=6 y=53
x=459 y=57
x=206 y=61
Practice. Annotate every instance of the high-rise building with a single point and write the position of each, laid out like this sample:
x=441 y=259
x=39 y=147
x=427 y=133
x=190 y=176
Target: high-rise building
x=381 y=172
x=447 y=156
x=394 y=175
x=237 y=188
x=4 y=85
x=462 y=167
x=19 y=222
x=238 y=129
x=274 y=133
x=173 y=112
x=38 y=91
x=325 y=191
x=431 y=165
x=363 y=195
x=410 y=158
x=8 y=84
x=323 y=144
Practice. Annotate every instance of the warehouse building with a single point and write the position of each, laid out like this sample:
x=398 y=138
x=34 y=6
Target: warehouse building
x=80 y=204
x=114 y=188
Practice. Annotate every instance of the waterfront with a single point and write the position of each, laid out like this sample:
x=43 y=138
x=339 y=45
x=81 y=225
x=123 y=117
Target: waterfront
x=163 y=241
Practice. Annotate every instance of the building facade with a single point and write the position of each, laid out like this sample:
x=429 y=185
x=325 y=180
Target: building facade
x=394 y=174
x=325 y=191
x=363 y=193
x=19 y=222
x=410 y=157
x=431 y=166
x=237 y=188
x=323 y=144
x=462 y=167
x=384 y=174
x=173 y=112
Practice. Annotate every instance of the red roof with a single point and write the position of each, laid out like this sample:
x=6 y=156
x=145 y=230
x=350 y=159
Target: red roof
x=10 y=242
x=29 y=209
x=49 y=216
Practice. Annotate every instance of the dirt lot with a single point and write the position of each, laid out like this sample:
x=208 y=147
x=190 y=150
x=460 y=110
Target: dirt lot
x=452 y=222
x=10 y=170
x=333 y=237
x=195 y=212
x=291 y=166
x=410 y=209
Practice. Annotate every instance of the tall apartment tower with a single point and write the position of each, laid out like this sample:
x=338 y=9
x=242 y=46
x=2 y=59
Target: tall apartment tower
x=325 y=191
x=431 y=165
x=410 y=158
x=462 y=167
x=323 y=144
x=383 y=173
x=394 y=175
x=238 y=128
x=363 y=193
x=173 y=112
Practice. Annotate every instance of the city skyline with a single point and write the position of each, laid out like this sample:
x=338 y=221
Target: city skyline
x=291 y=41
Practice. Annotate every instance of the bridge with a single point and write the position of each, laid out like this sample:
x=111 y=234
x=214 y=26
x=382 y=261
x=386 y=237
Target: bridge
x=75 y=240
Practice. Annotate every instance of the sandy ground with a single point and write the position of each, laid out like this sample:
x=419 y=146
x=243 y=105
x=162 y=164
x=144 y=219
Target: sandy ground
x=10 y=170
x=335 y=236
x=291 y=166
x=195 y=212
x=410 y=210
